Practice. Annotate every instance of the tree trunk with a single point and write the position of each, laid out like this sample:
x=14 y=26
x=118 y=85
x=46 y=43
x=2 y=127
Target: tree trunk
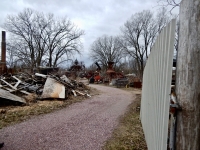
x=188 y=77
x=50 y=60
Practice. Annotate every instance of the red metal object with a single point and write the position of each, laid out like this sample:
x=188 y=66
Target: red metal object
x=110 y=72
x=97 y=78
x=137 y=84
x=110 y=67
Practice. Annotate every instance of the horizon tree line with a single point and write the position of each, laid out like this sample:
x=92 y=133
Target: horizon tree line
x=133 y=45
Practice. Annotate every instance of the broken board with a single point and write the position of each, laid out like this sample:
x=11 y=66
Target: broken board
x=7 y=95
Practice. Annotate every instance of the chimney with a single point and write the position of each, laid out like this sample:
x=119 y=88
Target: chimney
x=3 y=47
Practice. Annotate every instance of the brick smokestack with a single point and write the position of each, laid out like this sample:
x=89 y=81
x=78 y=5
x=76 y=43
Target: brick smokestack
x=3 y=47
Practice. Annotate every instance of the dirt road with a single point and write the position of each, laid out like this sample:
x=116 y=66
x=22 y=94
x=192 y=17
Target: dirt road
x=81 y=126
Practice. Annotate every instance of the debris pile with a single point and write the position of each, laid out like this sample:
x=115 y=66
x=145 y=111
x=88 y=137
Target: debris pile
x=22 y=86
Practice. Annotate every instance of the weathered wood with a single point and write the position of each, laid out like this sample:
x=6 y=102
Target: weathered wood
x=13 y=87
x=11 y=97
x=188 y=77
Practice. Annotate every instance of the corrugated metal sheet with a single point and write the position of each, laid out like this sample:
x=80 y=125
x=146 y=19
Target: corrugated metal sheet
x=156 y=89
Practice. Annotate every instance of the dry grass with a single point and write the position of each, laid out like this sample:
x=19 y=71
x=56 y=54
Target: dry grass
x=129 y=134
x=14 y=114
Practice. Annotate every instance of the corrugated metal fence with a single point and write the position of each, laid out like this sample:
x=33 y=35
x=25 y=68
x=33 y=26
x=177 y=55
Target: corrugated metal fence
x=156 y=89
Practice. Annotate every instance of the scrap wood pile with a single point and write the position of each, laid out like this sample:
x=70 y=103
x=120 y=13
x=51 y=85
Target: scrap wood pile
x=22 y=86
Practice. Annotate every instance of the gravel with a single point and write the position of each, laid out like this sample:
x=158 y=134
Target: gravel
x=81 y=126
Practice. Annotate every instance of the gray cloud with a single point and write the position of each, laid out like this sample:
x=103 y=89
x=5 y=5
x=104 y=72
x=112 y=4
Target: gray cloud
x=96 y=17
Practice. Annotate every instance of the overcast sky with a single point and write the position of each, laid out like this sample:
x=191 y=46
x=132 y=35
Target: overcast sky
x=95 y=17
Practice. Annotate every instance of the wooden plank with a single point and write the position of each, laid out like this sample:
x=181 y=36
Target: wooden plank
x=7 y=95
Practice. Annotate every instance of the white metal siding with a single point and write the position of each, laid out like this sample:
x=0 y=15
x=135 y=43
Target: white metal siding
x=156 y=89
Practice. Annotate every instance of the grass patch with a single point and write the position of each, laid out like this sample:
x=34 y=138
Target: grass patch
x=10 y=115
x=18 y=114
x=129 y=134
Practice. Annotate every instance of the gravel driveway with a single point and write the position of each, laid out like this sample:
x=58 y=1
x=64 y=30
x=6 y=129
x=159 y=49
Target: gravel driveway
x=81 y=126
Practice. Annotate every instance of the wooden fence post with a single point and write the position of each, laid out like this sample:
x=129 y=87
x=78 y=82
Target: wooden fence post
x=188 y=77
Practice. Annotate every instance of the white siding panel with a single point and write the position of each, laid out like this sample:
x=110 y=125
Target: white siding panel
x=156 y=89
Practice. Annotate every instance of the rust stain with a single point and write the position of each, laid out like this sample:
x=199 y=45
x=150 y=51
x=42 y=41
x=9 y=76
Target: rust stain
x=53 y=89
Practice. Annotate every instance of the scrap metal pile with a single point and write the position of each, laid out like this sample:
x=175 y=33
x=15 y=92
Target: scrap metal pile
x=20 y=86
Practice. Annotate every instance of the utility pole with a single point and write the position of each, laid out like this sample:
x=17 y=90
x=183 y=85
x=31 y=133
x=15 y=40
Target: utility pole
x=188 y=77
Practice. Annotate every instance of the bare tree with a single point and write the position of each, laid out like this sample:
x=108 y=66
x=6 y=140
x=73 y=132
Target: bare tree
x=172 y=3
x=42 y=38
x=177 y=35
x=10 y=56
x=105 y=49
x=63 y=38
x=139 y=33
x=23 y=27
x=17 y=53
x=126 y=67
